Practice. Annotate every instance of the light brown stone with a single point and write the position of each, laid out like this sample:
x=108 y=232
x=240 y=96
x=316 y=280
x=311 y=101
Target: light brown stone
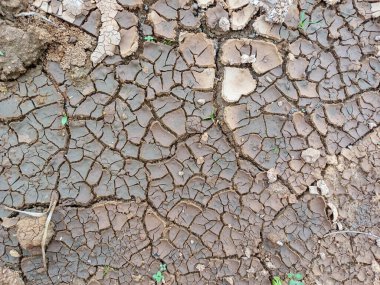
x=236 y=83
x=241 y=18
x=236 y=4
x=205 y=3
x=129 y=41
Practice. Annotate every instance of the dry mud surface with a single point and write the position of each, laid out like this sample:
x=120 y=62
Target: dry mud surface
x=227 y=148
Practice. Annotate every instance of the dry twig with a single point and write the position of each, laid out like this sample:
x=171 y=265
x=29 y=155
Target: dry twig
x=35 y=14
x=53 y=202
x=352 y=232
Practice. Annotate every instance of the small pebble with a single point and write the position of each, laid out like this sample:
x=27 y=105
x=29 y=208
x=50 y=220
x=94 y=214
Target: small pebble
x=372 y=125
x=201 y=101
x=200 y=160
x=73 y=40
x=14 y=253
x=224 y=24
x=313 y=190
x=204 y=138
x=321 y=184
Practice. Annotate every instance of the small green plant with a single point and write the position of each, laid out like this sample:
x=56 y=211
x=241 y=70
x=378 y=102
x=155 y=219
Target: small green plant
x=212 y=116
x=149 y=39
x=295 y=279
x=64 y=120
x=106 y=270
x=2 y=53
x=158 y=276
x=276 y=281
x=304 y=23
x=276 y=150
x=169 y=42
x=162 y=267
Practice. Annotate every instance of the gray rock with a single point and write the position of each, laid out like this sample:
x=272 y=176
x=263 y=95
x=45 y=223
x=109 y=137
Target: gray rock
x=20 y=49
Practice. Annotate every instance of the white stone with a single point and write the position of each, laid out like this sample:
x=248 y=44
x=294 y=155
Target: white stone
x=372 y=125
x=224 y=24
x=230 y=280
x=313 y=190
x=201 y=101
x=245 y=58
x=200 y=160
x=205 y=3
x=204 y=137
x=331 y=2
x=321 y=184
x=272 y=175
x=200 y=267
x=248 y=252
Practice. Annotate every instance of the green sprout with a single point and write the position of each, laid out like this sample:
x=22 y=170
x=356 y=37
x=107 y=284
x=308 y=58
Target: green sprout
x=304 y=23
x=158 y=276
x=295 y=282
x=276 y=150
x=106 y=270
x=64 y=120
x=295 y=279
x=212 y=116
x=169 y=42
x=276 y=281
x=162 y=267
x=2 y=53
x=149 y=39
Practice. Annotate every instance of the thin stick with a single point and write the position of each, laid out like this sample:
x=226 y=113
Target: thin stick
x=53 y=202
x=351 y=232
x=33 y=214
x=29 y=14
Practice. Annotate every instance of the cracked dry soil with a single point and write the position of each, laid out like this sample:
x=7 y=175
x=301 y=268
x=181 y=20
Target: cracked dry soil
x=227 y=146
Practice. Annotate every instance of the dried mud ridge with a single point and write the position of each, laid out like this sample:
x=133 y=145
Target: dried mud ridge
x=289 y=153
